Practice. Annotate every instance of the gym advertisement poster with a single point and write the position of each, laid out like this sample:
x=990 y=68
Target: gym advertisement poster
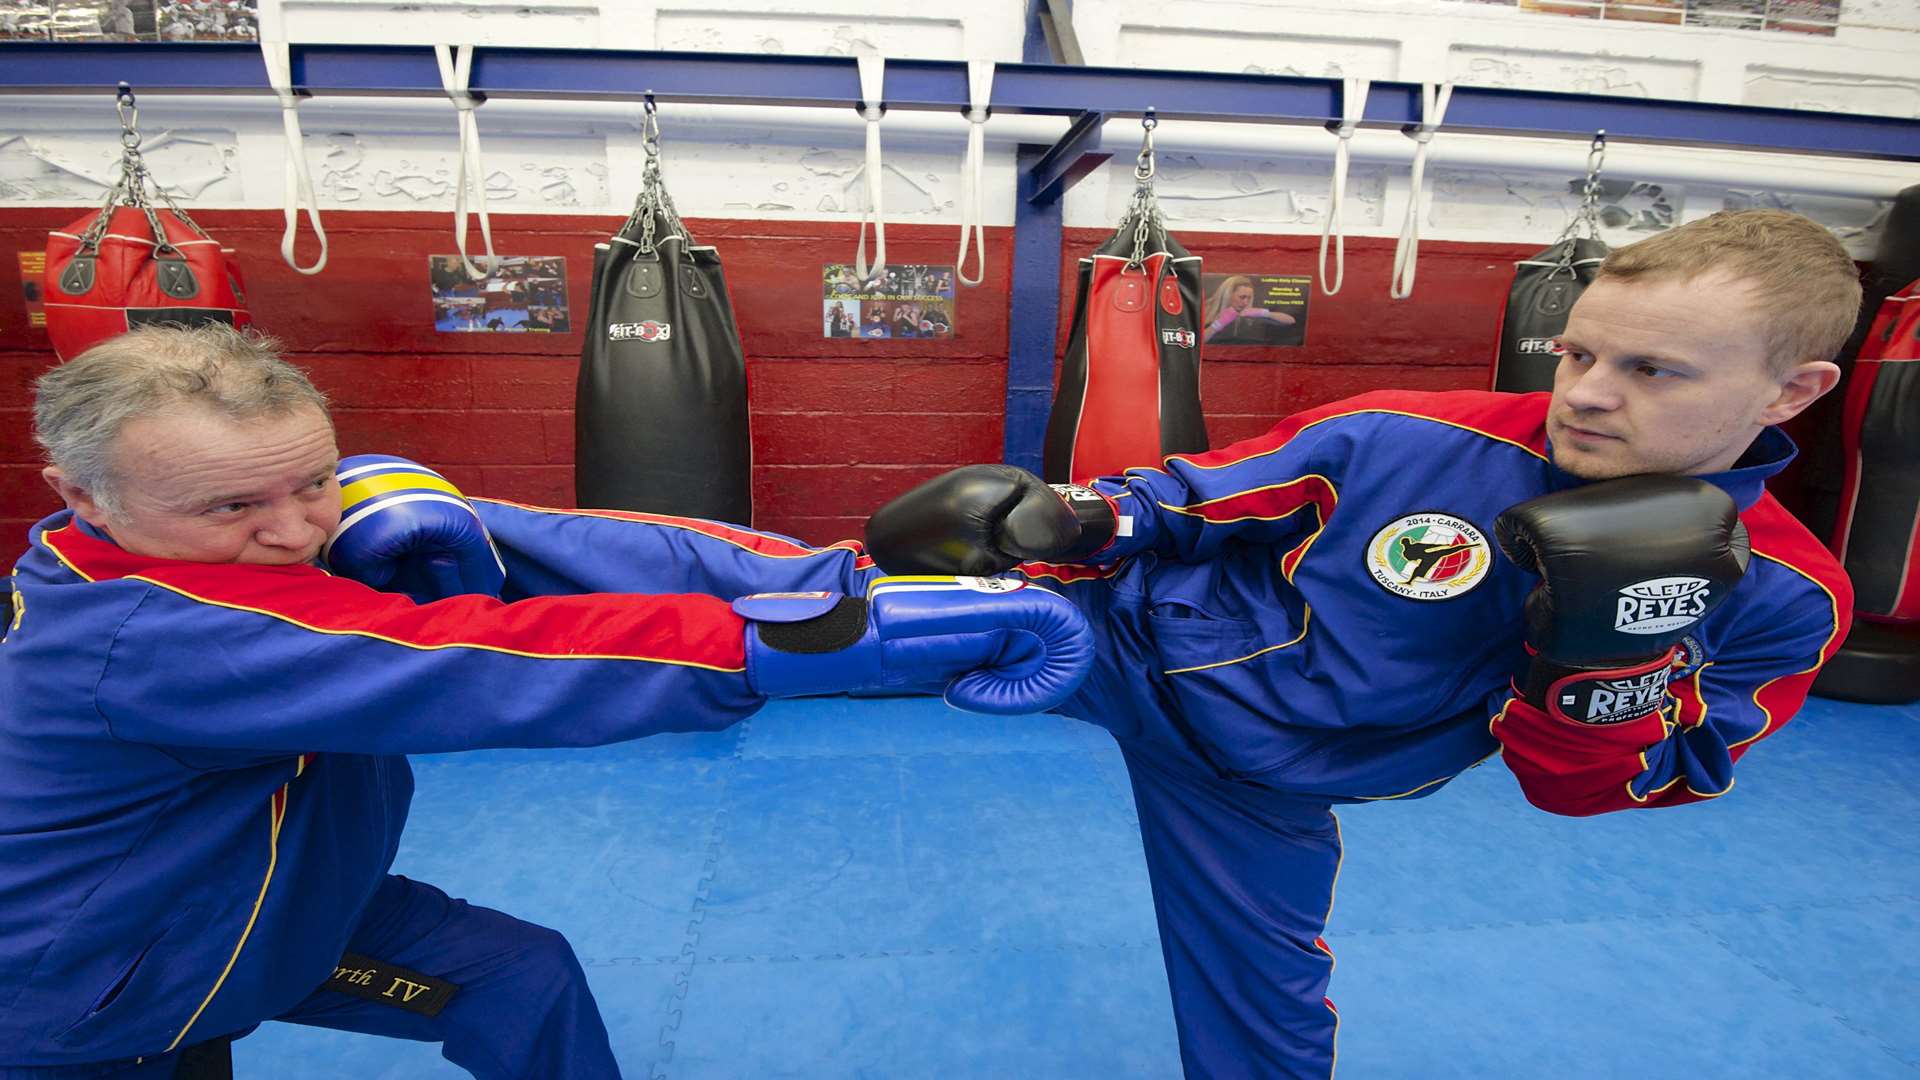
x=523 y=294
x=894 y=302
x=1267 y=310
x=33 y=268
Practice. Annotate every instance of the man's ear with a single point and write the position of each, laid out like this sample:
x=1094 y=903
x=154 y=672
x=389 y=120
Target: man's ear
x=1802 y=387
x=78 y=499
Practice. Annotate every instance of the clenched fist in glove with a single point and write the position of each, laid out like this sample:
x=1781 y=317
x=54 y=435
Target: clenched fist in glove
x=985 y=519
x=997 y=645
x=404 y=528
x=1627 y=566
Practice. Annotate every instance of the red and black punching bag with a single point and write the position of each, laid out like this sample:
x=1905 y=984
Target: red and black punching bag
x=1130 y=382
x=1877 y=531
x=1544 y=289
x=661 y=410
x=138 y=260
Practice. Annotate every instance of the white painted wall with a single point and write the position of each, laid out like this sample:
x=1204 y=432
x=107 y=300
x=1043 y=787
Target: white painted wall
x=771 y=163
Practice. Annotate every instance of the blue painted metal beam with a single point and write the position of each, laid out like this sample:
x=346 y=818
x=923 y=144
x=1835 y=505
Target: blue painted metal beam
x=1034 y=319
x=62 y=67
x=1068 y=160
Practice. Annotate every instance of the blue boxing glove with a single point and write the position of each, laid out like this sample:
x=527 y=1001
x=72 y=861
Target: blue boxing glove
x=998 y=645
x=404 y=528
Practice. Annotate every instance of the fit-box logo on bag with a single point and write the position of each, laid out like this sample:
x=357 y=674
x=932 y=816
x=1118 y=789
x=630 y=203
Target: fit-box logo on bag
x=1532 y=345
x=1659 y=605
x=640 y=331
x=1182 y=338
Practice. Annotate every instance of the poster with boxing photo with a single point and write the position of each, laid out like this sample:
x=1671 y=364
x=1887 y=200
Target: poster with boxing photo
x=1254 y=309
x=523 y=294
x=911 y=301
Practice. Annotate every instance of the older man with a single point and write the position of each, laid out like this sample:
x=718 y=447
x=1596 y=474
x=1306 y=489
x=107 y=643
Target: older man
x=201 y=780
x=1317 y=616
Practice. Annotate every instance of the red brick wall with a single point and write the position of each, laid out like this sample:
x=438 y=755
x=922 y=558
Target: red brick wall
x=837 y=425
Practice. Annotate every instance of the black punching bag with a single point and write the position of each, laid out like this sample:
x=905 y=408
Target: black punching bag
x=1130 y=381
x=661 y=412
x=1544 y=289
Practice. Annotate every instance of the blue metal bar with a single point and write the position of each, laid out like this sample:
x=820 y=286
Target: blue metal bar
x=1034 y=319
x=1068 y=160
x=60 y=67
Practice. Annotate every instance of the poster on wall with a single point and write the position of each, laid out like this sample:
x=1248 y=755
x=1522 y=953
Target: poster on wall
x=1254 y=309
x=895 y=302
x=33 y=269
x=524 y=294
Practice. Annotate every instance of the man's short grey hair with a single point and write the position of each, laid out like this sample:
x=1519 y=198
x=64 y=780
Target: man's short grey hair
x=80 y=407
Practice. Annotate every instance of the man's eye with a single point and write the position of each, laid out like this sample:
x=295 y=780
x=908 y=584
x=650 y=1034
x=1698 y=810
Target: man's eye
x=1650 y=371
x=228 y=509
x=320 y=483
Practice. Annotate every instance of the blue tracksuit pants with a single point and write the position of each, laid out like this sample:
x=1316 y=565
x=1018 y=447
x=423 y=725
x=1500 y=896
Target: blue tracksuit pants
x=523 y=1010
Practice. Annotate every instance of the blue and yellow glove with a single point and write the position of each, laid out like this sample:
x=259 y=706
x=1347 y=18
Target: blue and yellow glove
x=998 y=645
x=404 y=528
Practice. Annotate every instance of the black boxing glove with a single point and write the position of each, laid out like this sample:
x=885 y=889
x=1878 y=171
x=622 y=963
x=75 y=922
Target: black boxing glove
x=981 y=520
x=1627 y=566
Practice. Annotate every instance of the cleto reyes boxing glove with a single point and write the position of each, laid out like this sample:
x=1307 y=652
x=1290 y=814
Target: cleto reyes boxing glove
x=1627 y=566
x=998 y=645
x=986 y=519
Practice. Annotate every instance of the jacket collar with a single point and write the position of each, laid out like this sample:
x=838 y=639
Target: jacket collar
x=1746 y=481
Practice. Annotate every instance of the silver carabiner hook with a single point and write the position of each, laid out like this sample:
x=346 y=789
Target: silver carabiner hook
x=1143 y=164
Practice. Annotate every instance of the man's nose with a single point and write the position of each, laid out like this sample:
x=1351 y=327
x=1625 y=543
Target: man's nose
x=1594 y=388
x=285 y=525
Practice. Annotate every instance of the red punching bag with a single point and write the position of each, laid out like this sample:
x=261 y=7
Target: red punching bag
x=1130 y=382
x=1877 y=531
x=133 y=262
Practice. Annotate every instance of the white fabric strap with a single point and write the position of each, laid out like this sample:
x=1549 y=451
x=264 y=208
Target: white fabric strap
x=299 y=176
x=1353 y=107
x=873 y=76
x=973 y=174
x=456 y=66
x=1434 y=98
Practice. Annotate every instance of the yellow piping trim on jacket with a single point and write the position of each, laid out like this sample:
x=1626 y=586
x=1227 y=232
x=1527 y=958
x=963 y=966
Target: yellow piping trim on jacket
x=422 y=647
x=1766 y=717
x=380 y=483
x=837 y=546
x=1306 y=619
x=1430 y=783
x=58 y=554
x=1357 y=412
x=1192 y=510
x=19 y=608
x=274 y=816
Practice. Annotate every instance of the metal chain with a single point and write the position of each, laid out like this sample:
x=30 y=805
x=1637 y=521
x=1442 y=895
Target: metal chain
x=1588 y=217
x=135 y=186
x=653 y=201
x=1144 y=209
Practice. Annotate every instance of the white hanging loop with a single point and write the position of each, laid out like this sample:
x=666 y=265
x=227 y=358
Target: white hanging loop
x=456 y=65
x=1433 y=98
x=872 y=83
x=298 y=174
x=1353 y=107
x=973 y=173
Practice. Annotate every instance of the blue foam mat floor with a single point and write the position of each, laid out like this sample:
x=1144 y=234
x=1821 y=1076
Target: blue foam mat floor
x=887 y=888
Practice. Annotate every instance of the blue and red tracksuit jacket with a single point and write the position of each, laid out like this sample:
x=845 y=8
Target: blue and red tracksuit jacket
x=1324 y=610
x=202 y=778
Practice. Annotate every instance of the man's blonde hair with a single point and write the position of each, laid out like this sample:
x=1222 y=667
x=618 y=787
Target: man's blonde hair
x=1800 y=276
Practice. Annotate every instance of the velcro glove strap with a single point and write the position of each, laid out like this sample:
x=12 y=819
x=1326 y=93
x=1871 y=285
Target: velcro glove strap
x=1606 y=696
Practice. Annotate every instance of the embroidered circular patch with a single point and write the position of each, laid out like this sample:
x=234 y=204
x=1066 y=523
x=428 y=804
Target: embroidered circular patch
x=1429 y=556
